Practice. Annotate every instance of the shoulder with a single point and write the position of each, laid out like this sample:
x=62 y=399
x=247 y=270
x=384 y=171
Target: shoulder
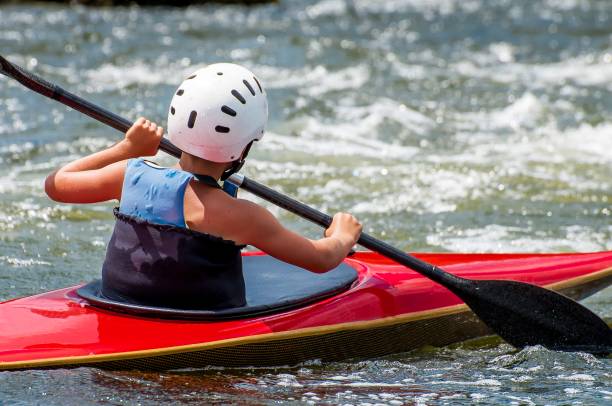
x=216 y=206
x=249 y=223
x=236 y=210
x=254 y=220
x=248 y=209
x=215 y=212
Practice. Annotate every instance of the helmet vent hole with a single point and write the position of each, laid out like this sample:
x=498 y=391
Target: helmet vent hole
x=229 y=111
x=221 y=129
x=249 y=87
x=172 y=111
x=192 y=118
x=219 y=73
x=238 y=96
x=258 y=85
x=191 y=77
x=180 y=92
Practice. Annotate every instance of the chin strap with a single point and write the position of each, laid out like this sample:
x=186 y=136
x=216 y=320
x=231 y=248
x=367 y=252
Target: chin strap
x=237 y=164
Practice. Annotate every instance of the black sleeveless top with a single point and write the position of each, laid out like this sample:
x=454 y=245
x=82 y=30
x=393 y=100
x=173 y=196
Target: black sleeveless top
x=169 y=266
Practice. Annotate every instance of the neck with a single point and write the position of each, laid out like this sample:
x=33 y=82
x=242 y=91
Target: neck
x=193 y=164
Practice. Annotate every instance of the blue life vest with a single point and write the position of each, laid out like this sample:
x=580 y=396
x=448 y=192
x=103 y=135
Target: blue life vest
x=154 y=193
x=153 y=259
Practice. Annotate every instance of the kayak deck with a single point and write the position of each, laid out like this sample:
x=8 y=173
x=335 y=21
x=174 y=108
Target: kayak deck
x=390 y=309
x=270 y=286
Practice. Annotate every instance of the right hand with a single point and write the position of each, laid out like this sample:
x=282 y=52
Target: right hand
x=143 y=138
x=345 y=225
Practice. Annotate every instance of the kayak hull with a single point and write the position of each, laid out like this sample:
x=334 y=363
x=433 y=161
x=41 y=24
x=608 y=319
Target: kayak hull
x=390 y=309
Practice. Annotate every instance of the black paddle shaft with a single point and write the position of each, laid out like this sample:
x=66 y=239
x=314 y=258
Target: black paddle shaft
x=521 y=313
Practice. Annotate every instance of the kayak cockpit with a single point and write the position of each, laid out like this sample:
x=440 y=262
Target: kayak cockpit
x=271 y=286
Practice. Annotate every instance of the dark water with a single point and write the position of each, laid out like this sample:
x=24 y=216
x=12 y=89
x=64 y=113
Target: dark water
x=444 y=125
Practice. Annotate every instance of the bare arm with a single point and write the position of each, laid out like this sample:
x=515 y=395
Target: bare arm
x=94 y=178
x=99 y=177
x=265 y=232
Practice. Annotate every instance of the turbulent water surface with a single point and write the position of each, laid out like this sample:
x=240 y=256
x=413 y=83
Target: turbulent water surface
x=445 y=125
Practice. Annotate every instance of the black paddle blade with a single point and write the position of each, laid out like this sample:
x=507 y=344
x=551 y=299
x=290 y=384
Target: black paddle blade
x=524 y=314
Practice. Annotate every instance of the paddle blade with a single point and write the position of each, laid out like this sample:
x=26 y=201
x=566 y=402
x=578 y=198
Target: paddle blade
x=524 y=314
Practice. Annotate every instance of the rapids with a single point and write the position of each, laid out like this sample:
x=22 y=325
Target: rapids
x=444 y=125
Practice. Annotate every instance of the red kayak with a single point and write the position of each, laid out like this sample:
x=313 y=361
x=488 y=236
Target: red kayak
x=369 y=307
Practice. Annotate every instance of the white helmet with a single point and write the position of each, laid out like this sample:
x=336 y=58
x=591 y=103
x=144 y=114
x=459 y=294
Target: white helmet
x=217 y=112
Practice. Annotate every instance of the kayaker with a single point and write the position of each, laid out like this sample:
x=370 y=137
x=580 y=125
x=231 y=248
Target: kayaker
x=178 y=234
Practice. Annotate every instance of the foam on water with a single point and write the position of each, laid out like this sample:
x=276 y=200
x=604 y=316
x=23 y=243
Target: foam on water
x=585 y=70
x=112 y=77
x=320 y=140
x=350 y=78
x=20 y=263
x=314 y=81
x=372 y=115
x=443 y=7
x=497 y=238
x=523 y=136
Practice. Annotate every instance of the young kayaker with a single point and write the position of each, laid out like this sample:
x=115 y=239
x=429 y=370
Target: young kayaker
x=178 y=234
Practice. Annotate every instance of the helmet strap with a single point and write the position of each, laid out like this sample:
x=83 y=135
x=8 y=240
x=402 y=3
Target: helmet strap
x=237 y=164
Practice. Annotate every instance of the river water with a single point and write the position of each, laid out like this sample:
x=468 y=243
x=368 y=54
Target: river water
x=444 y=125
